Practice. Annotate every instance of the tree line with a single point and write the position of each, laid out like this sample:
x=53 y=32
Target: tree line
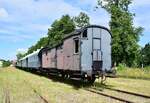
x=57 y=31
x=125 y=36
x=5 y=63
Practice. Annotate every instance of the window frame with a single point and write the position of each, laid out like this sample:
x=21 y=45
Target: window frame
x=74 y=45
x=46 y=52
x=86 y=34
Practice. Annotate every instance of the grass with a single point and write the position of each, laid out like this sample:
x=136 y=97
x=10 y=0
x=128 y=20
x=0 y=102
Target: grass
x=126 y=84
x=137 y=73
x=20 y=86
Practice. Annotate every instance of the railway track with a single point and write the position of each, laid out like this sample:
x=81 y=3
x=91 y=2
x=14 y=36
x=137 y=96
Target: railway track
x=6 y=96
x=127 y=92
x=45 y=101
x=109 y=96
x=36 y=92
x=121 y=95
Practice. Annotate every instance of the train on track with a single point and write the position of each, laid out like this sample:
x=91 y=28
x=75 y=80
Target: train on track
x=84 y=53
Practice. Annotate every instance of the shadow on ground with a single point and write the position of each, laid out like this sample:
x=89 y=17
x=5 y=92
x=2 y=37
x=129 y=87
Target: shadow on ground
x=75 y=83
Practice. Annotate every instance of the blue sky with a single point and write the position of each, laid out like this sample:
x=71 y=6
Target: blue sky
x=24 y=22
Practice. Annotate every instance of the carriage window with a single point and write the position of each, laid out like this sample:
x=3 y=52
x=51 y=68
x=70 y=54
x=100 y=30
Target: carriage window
x=96 y=44
x=76 y=46
x=61 y=46
x=84 y=35
x=46 y=53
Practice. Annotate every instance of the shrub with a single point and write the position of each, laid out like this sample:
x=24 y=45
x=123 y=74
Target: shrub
x=6 y=63
x=121 y=67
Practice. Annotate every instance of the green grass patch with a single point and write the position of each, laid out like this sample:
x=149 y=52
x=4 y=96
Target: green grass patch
x=22 y=85
x=131 y=85
x=137 y=73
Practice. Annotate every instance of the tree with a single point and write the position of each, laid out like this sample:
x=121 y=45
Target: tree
x=146 y=55
x=125 y=36
x=41 y=43
x=20 y=55
x=6 y=63
x=81 y=20
x=59 y=29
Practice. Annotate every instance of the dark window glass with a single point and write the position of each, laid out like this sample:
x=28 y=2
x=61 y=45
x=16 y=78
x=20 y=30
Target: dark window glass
x=61 y=47
x=84 y=35
x=76 y=43
x=46 y=53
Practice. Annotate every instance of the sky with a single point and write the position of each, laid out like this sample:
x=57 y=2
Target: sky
x=24 y=22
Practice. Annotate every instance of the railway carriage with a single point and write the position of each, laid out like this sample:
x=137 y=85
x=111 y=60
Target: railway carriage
x=19 y=63
x=24 y=62
x=84 y=53
x=31 y=61
x=34 y=60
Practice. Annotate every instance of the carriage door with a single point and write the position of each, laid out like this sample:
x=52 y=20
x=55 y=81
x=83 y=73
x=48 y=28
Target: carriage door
x=86 y=50
x=97 y=54
x=26 y=62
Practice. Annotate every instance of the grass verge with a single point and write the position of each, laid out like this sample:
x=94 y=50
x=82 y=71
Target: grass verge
x=25 y=87
x=136 y=73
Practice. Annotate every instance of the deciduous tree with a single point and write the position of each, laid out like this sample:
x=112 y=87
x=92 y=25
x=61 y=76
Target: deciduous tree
x=20 y=55
x=81 y=20
x=59 y=29
x=125 y=35
x=146 y=55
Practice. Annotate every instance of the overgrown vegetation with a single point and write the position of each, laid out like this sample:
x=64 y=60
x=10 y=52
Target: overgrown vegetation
x=22 y=87
x=136 y=73
x=81 y=20
x=145 y=55
x=6 y=63
x=20 y=55
x=57 y=31
x=125 y=36
x=41 y=43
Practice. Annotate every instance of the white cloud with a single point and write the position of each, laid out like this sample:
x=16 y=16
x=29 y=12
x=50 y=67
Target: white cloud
x=4 y=31
x=142 y=14
x=21 y=50
x=28 y=20
x=3 y=13
x=141 y=3
x=143 y=20
x=41 y=9
x=87 y=2
x=99 y=17
x=30 y=17
x=15 y=37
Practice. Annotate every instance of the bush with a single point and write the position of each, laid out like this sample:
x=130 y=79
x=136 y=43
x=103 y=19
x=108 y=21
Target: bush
x=147 y=68
x=121 y=67
x=6 y=63
x=137 y=73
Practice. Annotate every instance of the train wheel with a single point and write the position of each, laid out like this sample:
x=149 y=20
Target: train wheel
x=63 y=75
x=92 y=79
x=68 y=76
